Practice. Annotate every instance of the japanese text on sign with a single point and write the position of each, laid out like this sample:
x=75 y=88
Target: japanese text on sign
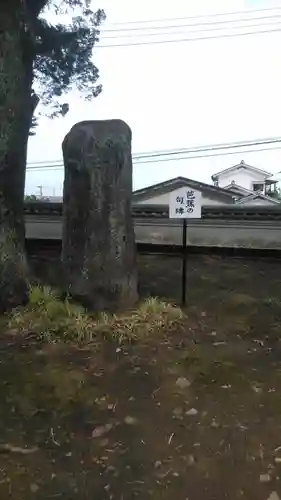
x=185 y=203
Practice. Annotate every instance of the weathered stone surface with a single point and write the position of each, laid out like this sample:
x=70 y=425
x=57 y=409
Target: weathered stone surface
x=98 y=252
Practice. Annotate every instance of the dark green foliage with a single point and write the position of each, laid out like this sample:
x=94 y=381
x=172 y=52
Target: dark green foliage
x=276 y=194
x=30 y=197
x=62 y=52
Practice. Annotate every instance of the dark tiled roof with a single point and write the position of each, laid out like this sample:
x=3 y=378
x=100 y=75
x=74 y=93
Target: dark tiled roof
x=141 y=211
x=256 y=195
x=178 y=182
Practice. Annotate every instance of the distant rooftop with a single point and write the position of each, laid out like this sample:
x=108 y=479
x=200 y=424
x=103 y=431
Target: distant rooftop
x=241 y=165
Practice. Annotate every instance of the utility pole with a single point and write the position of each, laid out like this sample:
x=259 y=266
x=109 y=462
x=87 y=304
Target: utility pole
x=40 y=190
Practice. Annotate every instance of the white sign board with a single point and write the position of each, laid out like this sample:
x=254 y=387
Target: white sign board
x=185 y=203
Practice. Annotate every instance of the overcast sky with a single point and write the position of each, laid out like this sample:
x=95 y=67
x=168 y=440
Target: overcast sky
x=177 y=95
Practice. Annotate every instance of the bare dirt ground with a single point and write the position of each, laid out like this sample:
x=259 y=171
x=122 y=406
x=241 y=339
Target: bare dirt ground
x=191 y=414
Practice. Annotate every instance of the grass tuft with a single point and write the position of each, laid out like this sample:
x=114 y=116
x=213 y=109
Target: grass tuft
x=51 y=318
x=151 y=317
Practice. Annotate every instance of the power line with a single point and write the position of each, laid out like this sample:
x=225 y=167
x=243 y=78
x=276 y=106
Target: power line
x=205 y=148
x=159 y=160
x=181 y=40
x=142 y=28
x=51 y=168
x=44 y=162
x=237 y=13
x=220 y=28
x=224 y=153
x=215 y=147
x=208 y=147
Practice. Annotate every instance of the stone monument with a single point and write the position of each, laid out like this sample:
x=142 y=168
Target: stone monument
x=98 y=249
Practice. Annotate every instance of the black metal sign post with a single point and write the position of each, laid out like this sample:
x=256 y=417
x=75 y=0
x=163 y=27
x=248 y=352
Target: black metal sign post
x=183 y=277
x=185 y=203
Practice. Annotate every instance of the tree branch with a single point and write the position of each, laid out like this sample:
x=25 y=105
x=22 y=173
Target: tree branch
x=48 y=44
x=49 y=37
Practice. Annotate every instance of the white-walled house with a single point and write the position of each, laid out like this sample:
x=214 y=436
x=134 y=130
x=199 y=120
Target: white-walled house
x=241 y=184
x=248 y=197
x=246 y=177
x=159 y=194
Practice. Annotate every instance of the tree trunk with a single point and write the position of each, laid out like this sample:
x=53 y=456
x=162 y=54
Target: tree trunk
x=16 y=111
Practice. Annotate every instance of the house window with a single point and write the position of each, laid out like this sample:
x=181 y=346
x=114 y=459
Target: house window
x=257 y=186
